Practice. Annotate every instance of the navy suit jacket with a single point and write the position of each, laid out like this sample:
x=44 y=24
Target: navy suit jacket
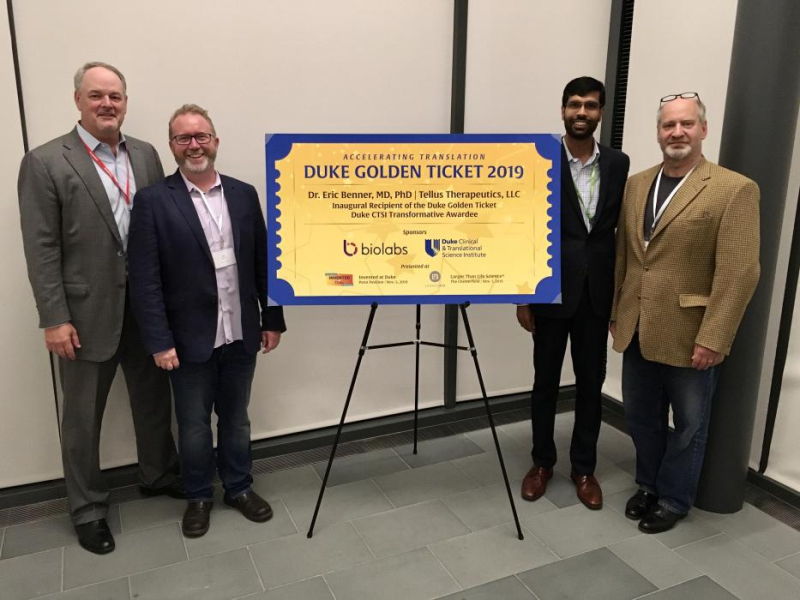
x=589 y=254
x=172 y=279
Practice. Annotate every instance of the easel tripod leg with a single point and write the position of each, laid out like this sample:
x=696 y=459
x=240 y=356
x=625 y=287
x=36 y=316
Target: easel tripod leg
x=474 y=353
x=361 y=352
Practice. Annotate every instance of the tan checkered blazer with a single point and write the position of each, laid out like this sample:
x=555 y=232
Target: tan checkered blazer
x=693 y=282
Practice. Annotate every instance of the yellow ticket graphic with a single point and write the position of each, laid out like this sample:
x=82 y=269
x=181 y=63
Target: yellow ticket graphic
x=413 y=219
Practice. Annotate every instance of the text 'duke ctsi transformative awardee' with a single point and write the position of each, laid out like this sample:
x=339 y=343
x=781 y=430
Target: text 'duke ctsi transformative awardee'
x=413 y=219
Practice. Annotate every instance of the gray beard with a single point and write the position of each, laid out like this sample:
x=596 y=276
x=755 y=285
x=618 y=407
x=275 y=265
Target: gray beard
x=678 y=154
x=195 y=168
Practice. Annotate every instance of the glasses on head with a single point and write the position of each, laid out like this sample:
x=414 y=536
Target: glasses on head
x=684 y=95
x=184 y=139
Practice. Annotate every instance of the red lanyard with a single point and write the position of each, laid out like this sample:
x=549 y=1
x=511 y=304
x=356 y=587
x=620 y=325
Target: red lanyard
x=126 y=193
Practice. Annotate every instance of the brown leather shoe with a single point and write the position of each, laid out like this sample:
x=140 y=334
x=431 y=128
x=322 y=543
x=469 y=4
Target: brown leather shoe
x=589 y=491
x=535 y=483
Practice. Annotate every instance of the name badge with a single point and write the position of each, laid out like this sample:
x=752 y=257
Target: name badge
x=223 y=258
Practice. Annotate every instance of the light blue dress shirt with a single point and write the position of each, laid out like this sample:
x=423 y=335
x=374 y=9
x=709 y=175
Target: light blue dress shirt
x=121 y=168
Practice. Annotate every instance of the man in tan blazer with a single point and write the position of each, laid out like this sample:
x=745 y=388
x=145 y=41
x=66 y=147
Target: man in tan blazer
x=75 y=197
x=687 y=265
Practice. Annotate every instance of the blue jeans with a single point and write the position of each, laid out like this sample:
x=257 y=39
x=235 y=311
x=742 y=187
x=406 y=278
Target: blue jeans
x=222 y=384
x=668 y=463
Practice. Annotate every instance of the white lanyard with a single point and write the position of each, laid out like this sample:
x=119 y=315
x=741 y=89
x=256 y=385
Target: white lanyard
x=217 y=221
x=657 y=215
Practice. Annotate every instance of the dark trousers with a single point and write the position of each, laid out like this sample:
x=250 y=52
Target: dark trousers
x=588 y=336
x=86 y=385
x=668 y=463
x=222 y=384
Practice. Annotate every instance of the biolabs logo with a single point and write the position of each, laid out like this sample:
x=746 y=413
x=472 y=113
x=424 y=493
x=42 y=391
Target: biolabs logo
x=383 y=250
x=350 y=249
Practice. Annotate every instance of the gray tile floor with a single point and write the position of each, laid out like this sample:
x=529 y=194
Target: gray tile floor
x=398 y=525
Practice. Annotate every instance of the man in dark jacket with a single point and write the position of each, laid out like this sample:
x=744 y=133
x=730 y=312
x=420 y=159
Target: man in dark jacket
x=199 y=289
x=592 y=185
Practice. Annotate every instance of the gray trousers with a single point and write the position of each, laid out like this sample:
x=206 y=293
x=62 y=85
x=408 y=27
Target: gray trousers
x=86 y=385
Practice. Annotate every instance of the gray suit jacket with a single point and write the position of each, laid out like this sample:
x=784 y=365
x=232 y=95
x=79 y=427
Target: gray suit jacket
x=76 y=262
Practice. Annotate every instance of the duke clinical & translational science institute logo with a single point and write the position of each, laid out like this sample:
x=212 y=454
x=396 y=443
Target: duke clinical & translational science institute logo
x=433 y=247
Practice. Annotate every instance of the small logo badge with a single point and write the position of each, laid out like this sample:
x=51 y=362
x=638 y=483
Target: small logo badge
x=345 y=279
x=350 y=249
x=432 y=247
x=435 y=276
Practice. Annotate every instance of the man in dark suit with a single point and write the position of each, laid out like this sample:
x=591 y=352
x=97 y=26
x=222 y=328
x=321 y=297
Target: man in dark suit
x=199 y=289
x=592 y=184
x=75 y=196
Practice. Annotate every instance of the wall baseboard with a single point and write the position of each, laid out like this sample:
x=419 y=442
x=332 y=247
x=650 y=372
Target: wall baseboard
x=48 y=499
x=121 y=477
x=772 y=487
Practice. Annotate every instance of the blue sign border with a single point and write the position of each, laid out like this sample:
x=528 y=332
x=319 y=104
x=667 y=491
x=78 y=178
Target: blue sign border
x=278 y=146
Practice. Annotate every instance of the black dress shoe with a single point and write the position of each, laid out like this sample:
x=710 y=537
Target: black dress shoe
x=174 y=489
x=251 y=505
x=196 y=519
x=95 y=536
x=659 y=519
x=640 y=504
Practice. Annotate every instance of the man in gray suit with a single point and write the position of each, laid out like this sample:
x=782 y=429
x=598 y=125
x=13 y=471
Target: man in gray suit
x=75 y=195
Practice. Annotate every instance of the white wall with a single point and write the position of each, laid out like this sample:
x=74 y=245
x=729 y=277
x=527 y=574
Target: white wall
x=306 y=66
x=783 y=465
x=318 y=66
x=520 y=55
x=677 y=47
x=258 y=67
x=28 y=427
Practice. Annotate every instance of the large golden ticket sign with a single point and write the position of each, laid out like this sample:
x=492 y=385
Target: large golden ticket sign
x=413 y=219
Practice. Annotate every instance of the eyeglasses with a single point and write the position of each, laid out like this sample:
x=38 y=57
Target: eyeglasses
x=185 y=139
x=684 y=95
x=588 y=105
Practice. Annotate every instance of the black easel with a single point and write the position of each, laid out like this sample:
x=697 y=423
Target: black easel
x=417 y=342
